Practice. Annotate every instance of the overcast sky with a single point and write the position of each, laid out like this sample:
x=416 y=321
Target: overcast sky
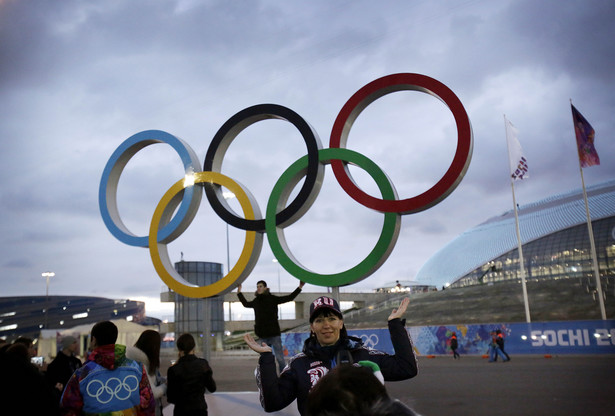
x=77 y=78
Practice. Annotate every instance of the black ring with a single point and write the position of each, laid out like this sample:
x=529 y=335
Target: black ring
x=223 y=139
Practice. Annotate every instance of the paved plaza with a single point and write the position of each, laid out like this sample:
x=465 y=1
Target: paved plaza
x=527 y=385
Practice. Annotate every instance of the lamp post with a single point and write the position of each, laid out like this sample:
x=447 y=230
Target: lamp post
x=278 y=263
x=47 y=275
x=279 y=289
x=228 y=195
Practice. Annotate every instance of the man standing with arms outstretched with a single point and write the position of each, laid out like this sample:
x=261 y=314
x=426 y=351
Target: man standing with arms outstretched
x=266 y=325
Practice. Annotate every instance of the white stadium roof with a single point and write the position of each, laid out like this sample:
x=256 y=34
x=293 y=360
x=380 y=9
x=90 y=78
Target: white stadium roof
x=497 y=236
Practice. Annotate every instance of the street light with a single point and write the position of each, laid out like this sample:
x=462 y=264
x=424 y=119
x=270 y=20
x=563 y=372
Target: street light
x=228 y=195
x=279 y=289
x=278 y=263
x=47 y=275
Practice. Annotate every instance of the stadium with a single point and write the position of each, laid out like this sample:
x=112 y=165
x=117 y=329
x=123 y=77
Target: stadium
x=26 y=316
x=555 y=241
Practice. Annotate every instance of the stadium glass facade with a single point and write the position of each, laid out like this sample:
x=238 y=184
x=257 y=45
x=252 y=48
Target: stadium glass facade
x=564 y=254
x=555 y=242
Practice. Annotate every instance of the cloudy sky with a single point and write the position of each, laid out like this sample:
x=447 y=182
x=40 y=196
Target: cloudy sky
x=78 y=78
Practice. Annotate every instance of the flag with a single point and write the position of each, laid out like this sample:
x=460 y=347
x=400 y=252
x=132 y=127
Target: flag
x=518 y=162
x=585 y=140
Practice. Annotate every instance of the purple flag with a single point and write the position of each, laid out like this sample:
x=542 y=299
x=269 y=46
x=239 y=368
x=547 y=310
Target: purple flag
x=585 y=140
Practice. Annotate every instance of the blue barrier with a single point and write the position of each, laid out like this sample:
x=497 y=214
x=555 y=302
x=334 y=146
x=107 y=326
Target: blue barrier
x=565 y=337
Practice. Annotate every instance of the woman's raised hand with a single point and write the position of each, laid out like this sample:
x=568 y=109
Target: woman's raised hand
x=398 y=313
x=255 y=346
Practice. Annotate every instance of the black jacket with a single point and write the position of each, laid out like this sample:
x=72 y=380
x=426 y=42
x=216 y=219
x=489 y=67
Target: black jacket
x=61 y=368
x=187 y=381
x=266 y=311
x=306 y=368
x=23 y=388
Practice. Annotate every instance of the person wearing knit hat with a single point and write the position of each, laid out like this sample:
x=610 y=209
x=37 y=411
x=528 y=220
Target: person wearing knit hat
x=64 y=365
x=69 y=343
x=328 y=347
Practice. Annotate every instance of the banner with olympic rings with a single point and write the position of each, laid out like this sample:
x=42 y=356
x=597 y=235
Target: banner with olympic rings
x=184 y=197
x=562 y=337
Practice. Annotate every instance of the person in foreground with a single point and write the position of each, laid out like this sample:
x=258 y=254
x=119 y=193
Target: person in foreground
x=108 y=382
x=329 y=345
x=23 y=388
x=187 y=380
x=354 y=390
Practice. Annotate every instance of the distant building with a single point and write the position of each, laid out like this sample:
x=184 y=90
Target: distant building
x=28 y=315
x=555 y=243
x=195 y=315
x=405 y=286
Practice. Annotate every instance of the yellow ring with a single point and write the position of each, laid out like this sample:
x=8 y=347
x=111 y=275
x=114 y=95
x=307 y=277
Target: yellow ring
x=160 y=255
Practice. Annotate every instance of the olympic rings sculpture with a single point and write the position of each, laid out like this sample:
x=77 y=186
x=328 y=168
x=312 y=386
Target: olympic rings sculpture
x=184 y=197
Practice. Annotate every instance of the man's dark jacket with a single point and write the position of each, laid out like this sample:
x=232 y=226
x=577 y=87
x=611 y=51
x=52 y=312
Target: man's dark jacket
x=266 y=311
x=60 y=370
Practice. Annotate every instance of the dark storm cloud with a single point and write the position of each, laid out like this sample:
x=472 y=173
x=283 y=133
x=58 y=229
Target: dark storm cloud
x=78 y=78
x=568 y=35
x=22 y=38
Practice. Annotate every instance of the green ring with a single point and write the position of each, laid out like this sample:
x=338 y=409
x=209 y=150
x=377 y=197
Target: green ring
x=275 y=234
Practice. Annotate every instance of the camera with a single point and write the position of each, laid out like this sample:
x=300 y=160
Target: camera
x=37 y=360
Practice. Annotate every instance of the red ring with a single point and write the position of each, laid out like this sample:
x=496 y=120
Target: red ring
x=370 y=93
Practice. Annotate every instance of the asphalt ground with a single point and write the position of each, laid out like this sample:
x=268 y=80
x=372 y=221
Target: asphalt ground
x=526 y=385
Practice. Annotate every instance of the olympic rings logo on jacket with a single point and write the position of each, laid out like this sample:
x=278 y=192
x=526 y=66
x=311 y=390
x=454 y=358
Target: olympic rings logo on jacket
x=104 y=393
x=108 y=391
x=185 y=197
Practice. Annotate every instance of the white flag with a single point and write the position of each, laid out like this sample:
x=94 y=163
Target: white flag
x=518 y=163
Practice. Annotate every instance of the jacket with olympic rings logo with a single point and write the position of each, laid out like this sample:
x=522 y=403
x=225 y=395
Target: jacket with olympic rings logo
x=109 y=382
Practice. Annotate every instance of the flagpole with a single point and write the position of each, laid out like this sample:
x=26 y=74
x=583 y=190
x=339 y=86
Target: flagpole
x=591 y=240
x=521 y=262
x=593 y=249
x=519 y=245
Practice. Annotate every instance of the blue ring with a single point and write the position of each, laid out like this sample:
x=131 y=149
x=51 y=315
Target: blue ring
x=107 y=192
